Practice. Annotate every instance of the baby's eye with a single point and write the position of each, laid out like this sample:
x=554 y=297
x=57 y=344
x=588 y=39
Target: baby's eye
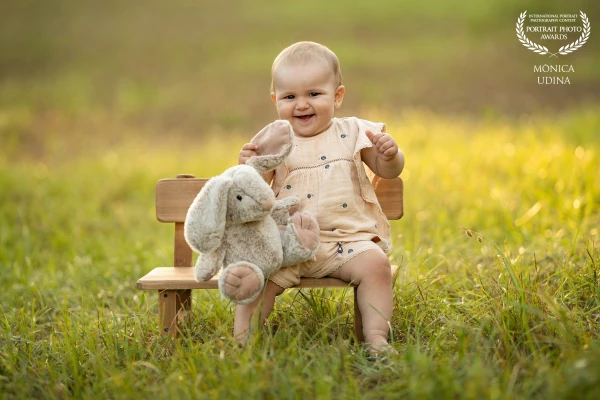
x=239 y=197
x=289 y=97
x=314 y=94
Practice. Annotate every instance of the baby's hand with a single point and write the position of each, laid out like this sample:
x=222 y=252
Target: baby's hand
x=384 y=144
x=248 y=150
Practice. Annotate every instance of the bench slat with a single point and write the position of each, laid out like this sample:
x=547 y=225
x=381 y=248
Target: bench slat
x=164 y=278
x=174 y=196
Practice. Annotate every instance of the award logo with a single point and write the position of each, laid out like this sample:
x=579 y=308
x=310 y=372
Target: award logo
x=553 y=27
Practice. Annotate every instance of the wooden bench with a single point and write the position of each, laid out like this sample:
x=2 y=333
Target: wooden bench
x=175 y=284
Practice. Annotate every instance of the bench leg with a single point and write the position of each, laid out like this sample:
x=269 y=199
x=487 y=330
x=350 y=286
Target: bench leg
x=358 y=328
x=184 y=305
x=173 y=306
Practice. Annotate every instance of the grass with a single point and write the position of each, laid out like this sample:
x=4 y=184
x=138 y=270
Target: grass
x=498 y=295
x=498 y=291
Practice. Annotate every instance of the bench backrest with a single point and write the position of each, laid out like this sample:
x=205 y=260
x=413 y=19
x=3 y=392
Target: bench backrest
x=174 y=197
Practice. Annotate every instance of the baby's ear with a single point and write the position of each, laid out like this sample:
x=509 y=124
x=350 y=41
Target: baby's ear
x=274 y=145
x=339 y=96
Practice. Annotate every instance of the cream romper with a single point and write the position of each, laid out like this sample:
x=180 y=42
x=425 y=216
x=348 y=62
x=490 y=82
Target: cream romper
x=327 y=173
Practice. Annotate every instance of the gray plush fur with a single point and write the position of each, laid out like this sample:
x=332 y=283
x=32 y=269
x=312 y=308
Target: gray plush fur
x=235 y=218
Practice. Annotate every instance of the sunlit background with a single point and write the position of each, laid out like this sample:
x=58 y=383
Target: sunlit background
x=185 y=67
x=100 y=99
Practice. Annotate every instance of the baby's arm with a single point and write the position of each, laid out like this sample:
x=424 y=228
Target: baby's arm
x=384 y=158
x=249 y=150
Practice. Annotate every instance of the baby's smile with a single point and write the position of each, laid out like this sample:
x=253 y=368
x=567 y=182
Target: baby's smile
x=304 y=117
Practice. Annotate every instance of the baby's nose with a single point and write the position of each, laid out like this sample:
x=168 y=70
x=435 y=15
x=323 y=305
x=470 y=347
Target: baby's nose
x=268 y=204
x=301 y=104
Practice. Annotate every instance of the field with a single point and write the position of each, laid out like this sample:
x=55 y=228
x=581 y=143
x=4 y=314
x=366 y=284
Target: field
x=498 y=294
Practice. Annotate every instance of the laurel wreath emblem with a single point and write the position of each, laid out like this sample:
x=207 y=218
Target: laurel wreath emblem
x=523 y=39
x=585 y=34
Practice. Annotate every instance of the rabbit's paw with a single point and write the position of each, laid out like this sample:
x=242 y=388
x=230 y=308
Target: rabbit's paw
x=300 y=239
x=241 y=282
x=307 y=230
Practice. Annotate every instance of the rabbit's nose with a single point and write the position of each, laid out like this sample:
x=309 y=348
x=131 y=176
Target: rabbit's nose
x=268 y=204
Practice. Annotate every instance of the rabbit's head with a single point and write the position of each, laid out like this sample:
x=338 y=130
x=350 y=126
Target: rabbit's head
x=237 y=196
x=240 y=194
x=250 y=198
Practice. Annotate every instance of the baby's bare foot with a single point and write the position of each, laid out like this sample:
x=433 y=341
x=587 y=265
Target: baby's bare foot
x=240 y=282
x=307 y=229
x=241 y=338
x=379 y=349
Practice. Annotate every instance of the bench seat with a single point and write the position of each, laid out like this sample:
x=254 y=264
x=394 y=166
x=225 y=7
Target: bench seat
x=165 y=278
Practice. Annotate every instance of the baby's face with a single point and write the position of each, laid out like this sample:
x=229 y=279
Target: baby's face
x=306 y=95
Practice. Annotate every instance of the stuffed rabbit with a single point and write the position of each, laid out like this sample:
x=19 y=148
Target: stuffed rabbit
x=236 y=223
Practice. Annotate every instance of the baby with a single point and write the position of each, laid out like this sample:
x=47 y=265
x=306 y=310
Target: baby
x=325 y=170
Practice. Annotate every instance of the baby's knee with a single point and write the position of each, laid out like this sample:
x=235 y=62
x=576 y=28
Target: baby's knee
x=268 y=295
x=273 y=289
x=380 y=270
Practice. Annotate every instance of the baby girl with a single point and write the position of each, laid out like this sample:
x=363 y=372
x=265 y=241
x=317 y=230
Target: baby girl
x=325 y=170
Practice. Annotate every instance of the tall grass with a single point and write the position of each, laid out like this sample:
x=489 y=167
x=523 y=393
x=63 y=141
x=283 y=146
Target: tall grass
x=497 y=296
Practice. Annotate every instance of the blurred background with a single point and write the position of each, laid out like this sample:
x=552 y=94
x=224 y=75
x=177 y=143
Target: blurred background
x=81 y=71
x=99 y=99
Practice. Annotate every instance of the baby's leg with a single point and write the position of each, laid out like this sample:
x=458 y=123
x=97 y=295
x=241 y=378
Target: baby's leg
x=245 y=312
x=371 y=271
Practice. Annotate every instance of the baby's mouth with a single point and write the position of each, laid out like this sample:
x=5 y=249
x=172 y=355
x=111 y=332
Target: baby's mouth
x=304 y=117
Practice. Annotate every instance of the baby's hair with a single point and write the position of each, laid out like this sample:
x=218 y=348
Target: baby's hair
x=302 y=52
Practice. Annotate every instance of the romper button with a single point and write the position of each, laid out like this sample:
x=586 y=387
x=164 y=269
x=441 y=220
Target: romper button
x=343 y=136
x=350 y=251
x=309 y=196
x=323 y=158
x=345 y=205
x=327 y=166
x=288 y=187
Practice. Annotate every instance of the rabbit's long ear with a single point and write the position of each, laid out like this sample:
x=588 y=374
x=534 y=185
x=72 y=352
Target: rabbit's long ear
x=274 y=142
x=205 y=221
